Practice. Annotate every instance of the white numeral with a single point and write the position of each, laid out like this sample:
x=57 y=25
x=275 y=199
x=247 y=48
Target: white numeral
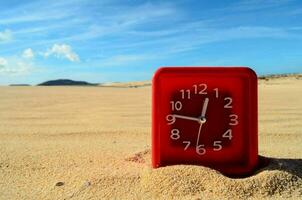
x=187 y=144
x=228 y=134
x=217 y=146
x=176 y=105
x=202 y=90
x=175 y=134
x=171 y=119
x=233 y=119
x=216 y=92
x=229 y=102
x=200 y=149
x=185 y=93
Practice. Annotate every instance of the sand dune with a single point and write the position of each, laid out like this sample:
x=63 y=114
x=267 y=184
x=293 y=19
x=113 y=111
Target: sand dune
x=127 y=84
x=94 y=143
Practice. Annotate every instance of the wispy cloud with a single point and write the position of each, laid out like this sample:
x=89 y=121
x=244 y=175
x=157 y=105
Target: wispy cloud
x=187 y=37
x=250 y=5
x=62 y=51
x=125 y=59
x=3 y=62
x=6 y=36
x=129 y=18
x=41 y=23
x=39 y=11
x=207 y=36
x=296 y=11
x=14 y=67
x=28 y=53
x=144 y=13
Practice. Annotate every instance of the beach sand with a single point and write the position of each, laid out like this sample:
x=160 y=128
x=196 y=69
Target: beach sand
x=94 y=143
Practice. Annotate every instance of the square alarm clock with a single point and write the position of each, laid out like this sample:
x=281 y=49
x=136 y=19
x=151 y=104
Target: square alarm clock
x=205 y=116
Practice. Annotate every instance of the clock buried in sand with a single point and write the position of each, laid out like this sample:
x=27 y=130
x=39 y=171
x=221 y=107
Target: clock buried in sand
x=205 y=116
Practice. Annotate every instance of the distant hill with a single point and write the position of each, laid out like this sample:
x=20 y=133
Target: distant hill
x=64 y=82
x=278 y=76
x=19 y=85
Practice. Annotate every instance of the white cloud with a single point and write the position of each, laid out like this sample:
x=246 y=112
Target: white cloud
x=62 y=51
x=28 y=53
x=6 y=35
x=3 y=62
x=14 y=67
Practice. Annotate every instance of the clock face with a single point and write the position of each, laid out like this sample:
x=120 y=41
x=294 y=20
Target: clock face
x=205 y=116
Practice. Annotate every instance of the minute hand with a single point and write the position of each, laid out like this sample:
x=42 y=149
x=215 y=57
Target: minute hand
x=204 y=108
x=187 y=117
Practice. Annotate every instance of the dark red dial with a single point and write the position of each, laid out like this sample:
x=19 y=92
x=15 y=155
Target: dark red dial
x=205 y=116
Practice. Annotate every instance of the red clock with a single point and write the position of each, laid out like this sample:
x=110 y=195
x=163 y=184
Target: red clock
x=205 y=116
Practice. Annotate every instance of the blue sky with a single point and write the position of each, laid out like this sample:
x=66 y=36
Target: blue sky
x=120 y=40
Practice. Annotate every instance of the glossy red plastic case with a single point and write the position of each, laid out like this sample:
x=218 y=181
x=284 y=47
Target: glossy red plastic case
x=205 y=116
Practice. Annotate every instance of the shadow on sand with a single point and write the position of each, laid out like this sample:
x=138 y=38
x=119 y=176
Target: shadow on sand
x=291 y=166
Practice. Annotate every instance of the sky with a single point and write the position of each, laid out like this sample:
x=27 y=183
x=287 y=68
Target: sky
x=127 y=40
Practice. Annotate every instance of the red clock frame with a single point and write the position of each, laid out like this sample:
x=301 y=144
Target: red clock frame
x=236 y=155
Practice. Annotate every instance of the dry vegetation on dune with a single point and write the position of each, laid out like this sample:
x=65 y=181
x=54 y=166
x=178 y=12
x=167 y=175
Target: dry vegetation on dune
x=94 y=143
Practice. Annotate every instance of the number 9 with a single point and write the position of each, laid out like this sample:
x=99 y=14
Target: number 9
x=170 y=119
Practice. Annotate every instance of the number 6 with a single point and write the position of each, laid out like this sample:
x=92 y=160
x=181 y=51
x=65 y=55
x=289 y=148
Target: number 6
x=200 y=149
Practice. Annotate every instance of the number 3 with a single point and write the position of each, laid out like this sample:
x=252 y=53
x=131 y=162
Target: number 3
x=233 y=120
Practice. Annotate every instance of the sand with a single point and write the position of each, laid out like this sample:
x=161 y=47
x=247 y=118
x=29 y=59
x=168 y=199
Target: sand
x=94 y=143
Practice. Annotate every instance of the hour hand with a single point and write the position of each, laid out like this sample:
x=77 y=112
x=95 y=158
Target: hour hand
x=199 y=120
